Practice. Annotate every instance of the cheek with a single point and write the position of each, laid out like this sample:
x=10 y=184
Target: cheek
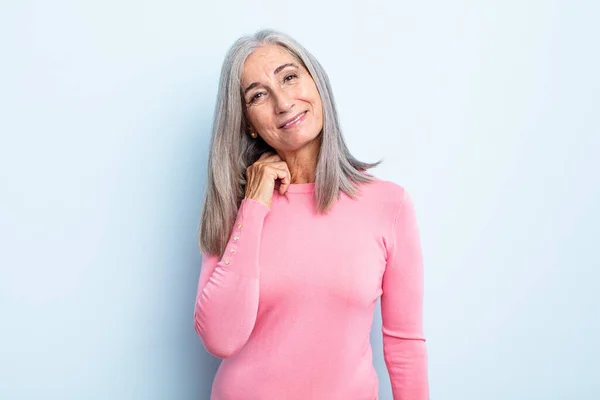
x=318 y=106
x=256 y=117
x=316 y=101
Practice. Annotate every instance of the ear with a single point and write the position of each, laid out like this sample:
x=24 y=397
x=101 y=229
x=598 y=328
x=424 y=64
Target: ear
x=246 y=122
x=250 y=127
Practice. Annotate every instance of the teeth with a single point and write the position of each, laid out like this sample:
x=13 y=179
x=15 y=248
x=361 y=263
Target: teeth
x=294 y=120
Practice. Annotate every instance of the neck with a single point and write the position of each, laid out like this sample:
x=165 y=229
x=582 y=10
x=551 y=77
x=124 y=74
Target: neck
x=302 y=163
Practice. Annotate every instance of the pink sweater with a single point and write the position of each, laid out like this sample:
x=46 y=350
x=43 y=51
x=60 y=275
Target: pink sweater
x=289 y=306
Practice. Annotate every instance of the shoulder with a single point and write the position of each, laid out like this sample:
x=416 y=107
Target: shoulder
x=385 y=193
x=383 y=201
x=387 y=202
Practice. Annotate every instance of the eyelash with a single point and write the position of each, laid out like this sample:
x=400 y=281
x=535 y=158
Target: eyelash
x=254 y=98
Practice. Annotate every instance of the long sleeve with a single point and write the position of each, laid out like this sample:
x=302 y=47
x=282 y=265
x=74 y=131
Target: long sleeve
x=404 y=346
x=228 y=288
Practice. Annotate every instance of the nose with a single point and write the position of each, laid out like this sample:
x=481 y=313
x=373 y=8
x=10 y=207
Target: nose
x=282 y=101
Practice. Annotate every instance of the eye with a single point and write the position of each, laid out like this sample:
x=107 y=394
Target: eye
x=256 y=97
x=290 y=77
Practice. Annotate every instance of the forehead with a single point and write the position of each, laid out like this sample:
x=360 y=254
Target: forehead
x=264 y=60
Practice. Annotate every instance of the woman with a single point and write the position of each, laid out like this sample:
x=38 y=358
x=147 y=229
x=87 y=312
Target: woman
x=298 y=242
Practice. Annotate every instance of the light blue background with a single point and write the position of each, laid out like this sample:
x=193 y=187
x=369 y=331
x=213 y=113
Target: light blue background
x=487 y=112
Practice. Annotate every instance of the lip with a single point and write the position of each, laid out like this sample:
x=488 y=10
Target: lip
x=300 y=117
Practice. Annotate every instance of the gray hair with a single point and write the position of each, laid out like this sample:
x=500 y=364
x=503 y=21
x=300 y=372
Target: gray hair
x=232 y=150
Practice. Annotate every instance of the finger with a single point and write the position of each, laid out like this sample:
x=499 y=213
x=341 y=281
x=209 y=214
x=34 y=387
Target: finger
x=284 y=165
x=281 y=165
x=265 y=155
x=270 y=157
x=283 y=174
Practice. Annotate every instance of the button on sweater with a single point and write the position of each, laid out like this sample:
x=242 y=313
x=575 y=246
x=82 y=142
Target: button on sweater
x=290 y=303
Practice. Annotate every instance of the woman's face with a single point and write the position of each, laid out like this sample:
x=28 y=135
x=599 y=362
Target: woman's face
x=283 y=104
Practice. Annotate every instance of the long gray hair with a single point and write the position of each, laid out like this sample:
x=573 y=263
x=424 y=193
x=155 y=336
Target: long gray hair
x=232 y=149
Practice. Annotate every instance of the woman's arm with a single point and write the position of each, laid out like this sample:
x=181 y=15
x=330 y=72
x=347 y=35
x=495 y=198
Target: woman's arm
x=404 y=347
x=227 y=298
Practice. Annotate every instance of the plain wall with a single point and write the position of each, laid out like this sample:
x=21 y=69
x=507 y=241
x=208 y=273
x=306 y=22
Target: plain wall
x=487 y=112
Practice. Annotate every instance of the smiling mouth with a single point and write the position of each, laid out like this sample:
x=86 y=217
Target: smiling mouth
x=293 y=121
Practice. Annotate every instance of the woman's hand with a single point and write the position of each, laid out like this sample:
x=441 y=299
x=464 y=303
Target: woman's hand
x=261 y=177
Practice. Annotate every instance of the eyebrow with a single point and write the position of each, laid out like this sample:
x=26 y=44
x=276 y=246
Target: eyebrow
x=277 y=70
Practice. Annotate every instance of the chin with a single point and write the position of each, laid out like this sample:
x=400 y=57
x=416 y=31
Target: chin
x=307 y=135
